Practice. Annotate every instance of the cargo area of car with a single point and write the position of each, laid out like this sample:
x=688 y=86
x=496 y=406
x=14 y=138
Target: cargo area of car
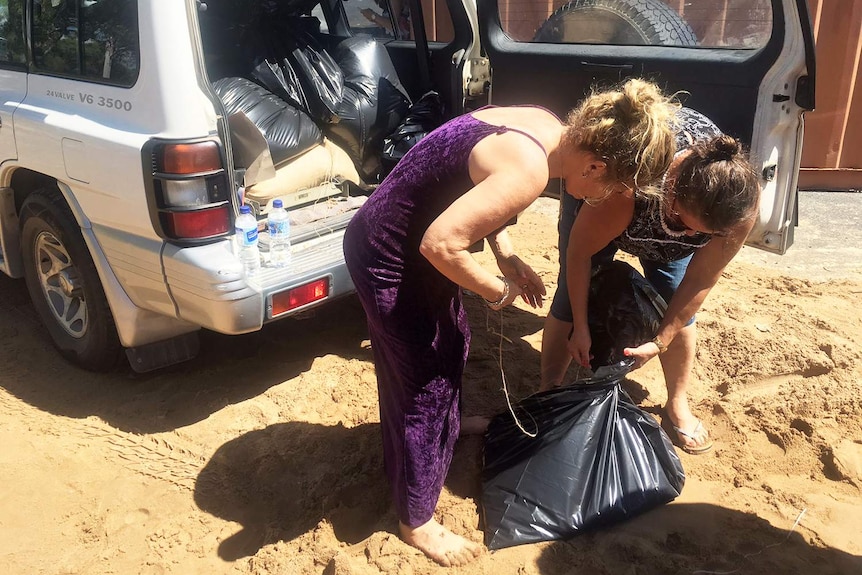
x=315 y=120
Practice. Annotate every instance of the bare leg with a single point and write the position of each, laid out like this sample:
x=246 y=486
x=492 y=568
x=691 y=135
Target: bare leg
x=555 y=353
x=677 y=364
x=440 y=544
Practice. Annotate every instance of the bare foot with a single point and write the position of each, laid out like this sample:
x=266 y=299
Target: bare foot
x=474 y=425
x=440 y=544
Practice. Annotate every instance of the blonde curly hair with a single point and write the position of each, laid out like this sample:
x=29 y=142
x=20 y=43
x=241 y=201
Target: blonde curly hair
x=631 y=128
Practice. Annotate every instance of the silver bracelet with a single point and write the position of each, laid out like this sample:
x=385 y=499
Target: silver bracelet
x=497 y=305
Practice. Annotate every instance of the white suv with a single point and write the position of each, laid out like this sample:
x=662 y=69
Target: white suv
x=132 y=130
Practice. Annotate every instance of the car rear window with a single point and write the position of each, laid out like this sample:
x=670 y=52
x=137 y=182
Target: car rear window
x=391 y=19
x=696 y=23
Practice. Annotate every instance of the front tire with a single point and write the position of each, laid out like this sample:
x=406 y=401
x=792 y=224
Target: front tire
x=64 y=285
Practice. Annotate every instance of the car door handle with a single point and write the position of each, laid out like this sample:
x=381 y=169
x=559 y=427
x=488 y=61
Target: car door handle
x=599 y=66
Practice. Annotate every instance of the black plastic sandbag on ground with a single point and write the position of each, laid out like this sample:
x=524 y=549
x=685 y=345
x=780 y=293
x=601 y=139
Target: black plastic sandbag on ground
x=624 y=310
x=596 y=460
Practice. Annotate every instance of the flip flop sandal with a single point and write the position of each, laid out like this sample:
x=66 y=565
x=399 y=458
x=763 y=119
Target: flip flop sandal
x=692 y=436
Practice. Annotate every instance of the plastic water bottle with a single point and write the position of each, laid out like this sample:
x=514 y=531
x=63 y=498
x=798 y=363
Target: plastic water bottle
x=279 y=235
x=246 y=241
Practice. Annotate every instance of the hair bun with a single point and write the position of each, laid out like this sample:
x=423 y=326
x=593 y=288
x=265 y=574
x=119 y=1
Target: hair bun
x=723 y=148
x=638 y=97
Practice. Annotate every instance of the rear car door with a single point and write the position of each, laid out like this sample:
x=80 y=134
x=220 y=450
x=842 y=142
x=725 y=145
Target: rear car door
x=747 y=64
x=13 y=89
x=13 y=72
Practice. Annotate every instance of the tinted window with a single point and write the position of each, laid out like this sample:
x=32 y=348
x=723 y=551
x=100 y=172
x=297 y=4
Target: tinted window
x=12 y=47
x=391 y=19
x=317 y=12
x=707 y=23
x=94 y=39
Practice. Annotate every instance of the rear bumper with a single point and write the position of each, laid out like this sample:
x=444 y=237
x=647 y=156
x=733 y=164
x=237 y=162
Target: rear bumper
x=209 y=288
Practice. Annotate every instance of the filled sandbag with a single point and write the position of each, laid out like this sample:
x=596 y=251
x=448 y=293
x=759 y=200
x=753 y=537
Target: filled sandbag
x=373 y=104
x=583 y=456
x=596 y=459
x=281 y=80
x=323 y=163
x=624 y=310
x=424 y=116
x=288 y=131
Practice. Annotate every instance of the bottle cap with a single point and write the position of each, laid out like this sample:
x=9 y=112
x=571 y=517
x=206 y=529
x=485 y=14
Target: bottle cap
x=245 y=209
x=277 y=204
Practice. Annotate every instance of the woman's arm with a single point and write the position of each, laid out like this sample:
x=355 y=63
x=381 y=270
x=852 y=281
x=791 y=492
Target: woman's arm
x=507 y=184
x=595 y=227
x=377 y=19
x=532 y=287
x=701 y=275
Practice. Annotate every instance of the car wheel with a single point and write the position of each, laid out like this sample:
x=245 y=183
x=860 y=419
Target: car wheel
x=64 y=285
x=621 y=22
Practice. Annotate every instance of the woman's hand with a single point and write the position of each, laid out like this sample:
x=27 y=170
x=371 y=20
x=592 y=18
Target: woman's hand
x=369 y=14
x=642 y=353
x=579 y=345
x=511 y=291
x=532 y=289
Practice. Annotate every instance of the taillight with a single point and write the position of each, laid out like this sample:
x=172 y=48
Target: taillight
x=198 y=223
x=191 y=191
x=299 y=296
x=191 y=158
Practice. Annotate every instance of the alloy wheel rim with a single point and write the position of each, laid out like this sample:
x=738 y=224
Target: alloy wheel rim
x=61 y=284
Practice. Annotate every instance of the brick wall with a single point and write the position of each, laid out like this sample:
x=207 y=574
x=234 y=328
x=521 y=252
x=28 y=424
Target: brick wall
x=832 y=153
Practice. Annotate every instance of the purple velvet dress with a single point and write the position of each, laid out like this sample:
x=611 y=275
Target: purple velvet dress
x=416 y=319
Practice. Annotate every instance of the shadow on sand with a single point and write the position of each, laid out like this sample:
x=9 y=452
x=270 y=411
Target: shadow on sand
x=696 y=539
x=228 y=370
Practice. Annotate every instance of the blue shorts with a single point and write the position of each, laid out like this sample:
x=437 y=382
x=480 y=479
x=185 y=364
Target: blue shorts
x=664 y=276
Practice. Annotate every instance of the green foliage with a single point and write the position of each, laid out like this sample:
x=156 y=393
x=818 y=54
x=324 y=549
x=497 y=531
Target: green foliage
x=12 y=44
x=92 y=38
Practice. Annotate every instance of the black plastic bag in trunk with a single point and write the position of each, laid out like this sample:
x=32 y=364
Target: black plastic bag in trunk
x=282 y=81
x=289 y=132
x=624 y=310
x=373 y=104
x=320 y=78
x=422 y=118
x=596 y=460
x=290 y=62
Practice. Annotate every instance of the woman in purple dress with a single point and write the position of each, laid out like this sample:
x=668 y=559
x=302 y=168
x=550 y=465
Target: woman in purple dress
x=407 y=252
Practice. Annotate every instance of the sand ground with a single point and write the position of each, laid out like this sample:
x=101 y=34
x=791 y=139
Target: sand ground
x=262 y=456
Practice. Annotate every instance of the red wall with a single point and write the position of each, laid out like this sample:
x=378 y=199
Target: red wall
x=832 y=153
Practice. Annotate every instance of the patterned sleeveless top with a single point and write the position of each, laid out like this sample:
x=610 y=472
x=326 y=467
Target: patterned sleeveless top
x=648 y=235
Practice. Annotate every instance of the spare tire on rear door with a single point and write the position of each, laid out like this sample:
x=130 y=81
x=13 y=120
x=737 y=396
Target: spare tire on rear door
x=620 y=22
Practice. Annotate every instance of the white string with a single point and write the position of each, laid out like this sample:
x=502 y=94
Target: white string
x=789 y=533
x=503 y=378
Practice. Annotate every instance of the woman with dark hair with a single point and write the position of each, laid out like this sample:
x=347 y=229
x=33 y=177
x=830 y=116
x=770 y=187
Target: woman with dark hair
x=684 y=239
x=407 y=250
